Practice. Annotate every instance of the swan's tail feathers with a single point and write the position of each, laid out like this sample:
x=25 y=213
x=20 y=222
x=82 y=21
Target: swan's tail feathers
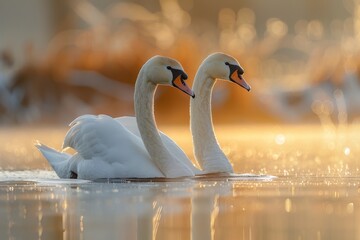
x=58 y=160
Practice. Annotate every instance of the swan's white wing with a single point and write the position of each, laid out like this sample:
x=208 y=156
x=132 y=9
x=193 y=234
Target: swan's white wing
x=108 y=149
x=130 y=124
x=87 y=136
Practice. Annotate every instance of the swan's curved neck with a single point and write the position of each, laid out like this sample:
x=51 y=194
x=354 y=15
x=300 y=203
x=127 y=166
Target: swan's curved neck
x=206 y=148
x=144 y=111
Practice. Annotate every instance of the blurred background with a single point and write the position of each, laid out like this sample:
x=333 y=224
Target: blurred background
x=61 y=59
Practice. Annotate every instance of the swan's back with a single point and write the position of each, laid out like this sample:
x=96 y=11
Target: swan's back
x=131 y=125
x=108 y=149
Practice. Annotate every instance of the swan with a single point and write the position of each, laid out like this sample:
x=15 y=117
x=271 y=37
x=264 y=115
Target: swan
x=126 y=147
x=206 y=148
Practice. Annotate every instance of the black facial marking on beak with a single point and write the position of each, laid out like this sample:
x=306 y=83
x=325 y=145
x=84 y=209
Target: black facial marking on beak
x=178 y=81
x=177 y=72
x=234 y=67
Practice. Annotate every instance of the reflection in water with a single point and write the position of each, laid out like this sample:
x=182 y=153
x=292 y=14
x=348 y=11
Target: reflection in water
x=204 y=212
x=283 y=208
x=25 y=214
x=314 y=197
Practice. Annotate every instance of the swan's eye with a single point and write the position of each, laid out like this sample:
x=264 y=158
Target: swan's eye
x=168 y=67
x=227 y=63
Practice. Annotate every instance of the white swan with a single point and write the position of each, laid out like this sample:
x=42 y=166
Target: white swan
x=206 y=148
x=126 y=147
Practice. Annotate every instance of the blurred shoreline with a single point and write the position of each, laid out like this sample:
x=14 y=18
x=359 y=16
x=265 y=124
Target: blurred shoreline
x=303 y=65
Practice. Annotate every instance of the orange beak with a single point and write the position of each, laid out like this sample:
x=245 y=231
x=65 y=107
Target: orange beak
x=179 y=83
x=238 y=79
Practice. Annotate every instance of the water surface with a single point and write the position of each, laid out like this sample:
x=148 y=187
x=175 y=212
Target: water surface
x=315 y=195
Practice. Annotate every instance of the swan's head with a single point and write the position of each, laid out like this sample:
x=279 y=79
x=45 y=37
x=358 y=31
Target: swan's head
x=167 y=71
x=223 y=66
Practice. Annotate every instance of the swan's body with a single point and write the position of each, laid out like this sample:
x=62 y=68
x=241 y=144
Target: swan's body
x=206 y=148
x=126 y=147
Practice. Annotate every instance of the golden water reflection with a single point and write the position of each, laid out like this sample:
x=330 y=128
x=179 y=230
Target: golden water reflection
x=280 y=209
x=316 y=194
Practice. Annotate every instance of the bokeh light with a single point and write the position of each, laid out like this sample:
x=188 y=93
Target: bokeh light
x=293 y=59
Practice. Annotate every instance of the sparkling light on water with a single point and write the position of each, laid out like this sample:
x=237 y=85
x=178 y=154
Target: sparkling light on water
x=313 y=188
x=347 y=151
x=280 y=139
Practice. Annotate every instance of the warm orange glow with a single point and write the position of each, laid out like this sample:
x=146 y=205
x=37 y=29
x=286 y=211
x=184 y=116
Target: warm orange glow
x=288 y=57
